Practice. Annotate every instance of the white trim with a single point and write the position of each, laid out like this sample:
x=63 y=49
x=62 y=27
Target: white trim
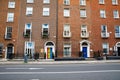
x=88 y=46
x=5 y=52
x=45 y=47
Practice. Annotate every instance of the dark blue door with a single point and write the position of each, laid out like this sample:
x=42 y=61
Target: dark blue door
x=84 y=50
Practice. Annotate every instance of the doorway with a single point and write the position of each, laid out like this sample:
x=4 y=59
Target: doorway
x=10 y=51
x=84 y=50
x=49 y=50
x=118 y=48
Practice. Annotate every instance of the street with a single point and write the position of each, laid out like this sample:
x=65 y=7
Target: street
x=98 y=71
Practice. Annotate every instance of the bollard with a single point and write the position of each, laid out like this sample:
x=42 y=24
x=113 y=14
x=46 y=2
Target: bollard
x=25 y=58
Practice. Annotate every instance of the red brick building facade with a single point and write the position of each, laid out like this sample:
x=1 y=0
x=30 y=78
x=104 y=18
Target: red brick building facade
x=88 y=26
x=37 y=28
x=60 y=28
x=9 y=19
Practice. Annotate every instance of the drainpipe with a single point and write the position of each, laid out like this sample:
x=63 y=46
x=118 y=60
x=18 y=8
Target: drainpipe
x=56 y=29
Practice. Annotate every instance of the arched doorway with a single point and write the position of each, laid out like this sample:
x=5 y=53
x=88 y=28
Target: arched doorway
x=50 y=50
x=85 y=48
x=10 y=51
x=118 y=48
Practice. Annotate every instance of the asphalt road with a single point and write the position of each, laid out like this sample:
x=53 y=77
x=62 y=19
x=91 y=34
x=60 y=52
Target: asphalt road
x=101 y=71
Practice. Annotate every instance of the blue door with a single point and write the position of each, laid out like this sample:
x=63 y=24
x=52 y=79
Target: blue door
x=84 y=50
x=51 y=53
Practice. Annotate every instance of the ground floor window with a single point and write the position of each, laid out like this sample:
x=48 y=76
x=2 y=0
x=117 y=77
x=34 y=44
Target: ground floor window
x=29 y=49
x=67 y=50
x=105 y=47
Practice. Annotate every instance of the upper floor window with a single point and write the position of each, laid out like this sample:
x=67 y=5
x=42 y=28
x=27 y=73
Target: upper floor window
x=66 y=12
x=30 y=1
x=46 y=11
x=101 y=2
x=115 y=14
x=102 y=14
x=29 y=11
x=11 y=4
x=28 y=29
x=117 y=31
x=66 y=31
x=45 y=30
x=115 y=2
x=104 y=32
x=46 y=1
x=8 y=33
x=84 y=32
x=83 y=2
x=103 y=28
x=83 y=13
x=10 y=17
x=66 y=2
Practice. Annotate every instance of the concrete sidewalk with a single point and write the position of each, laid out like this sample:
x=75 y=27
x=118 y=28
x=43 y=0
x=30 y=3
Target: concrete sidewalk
x=43 y=61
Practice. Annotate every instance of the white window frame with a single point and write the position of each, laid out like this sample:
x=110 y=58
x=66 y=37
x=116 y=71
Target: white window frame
x=29 y=11
x=66 y=31
x=102 y=13
x=66 y=2
x=30 y=1
x=103 y=28
x=46 y=1
x=43 y=26
x=82 y=2
x=29 y=48
x=115 y=14
x=67 y=52
x=114 y=2
x=28 y=28
x=11 y=4
x=84 y=32
x=46 y=11
x=10 y=17
x=101 y=2
x=66 y=12
x=6 y=32
x=83 y=13
x=117 y=31
x=105 y=46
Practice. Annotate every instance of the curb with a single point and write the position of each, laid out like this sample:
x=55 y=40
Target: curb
x=60 y=62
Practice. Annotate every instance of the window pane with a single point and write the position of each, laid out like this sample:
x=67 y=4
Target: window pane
x=82 y=13
x=67 y=2
x=10 y=17
x=46 y=11
x=28 y=26
x=29 y=11
x=46 y=1
x=102 y=14
x=114 y=2
x=11 y=4
x=66 y=12
x=116 y=14
x=105 y=48
x=101 y=2
x=67 y=50
x=117 y=29
x=30 y=1
x=82 y=2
